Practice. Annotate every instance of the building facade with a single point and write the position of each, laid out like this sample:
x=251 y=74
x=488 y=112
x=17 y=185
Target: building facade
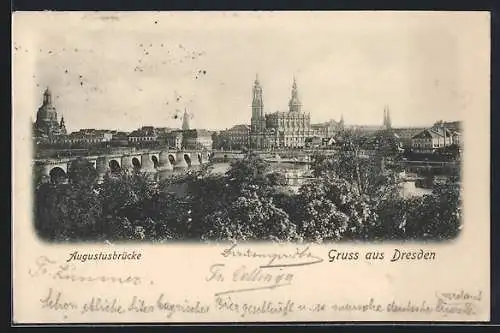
x=197 y=139
x=431 y=139
x=89 y=136
x=285 y=129
x=314 y=142
x=145 y=134
x=120 y=139
x=406 y=135
x=328 y=129
x=47 y=125
x=174 y=139
x=456 y=138
x=236 y=137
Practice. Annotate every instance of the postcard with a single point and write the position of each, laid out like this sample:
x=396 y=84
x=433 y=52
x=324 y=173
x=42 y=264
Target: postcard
x=216 y=167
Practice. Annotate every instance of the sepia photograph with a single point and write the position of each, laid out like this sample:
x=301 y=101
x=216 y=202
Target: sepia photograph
x=250 y=167
x=160 y=132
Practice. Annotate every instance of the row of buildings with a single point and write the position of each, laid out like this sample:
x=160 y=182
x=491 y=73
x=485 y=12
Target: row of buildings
x=49 y=130
x=293 y=129
x=280 y=129
x=146 y=136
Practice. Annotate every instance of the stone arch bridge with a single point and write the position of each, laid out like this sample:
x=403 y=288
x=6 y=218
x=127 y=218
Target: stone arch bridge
x=151 y=161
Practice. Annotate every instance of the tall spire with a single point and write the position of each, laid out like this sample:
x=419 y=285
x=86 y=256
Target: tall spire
x=389 y=123
x=295 y=105
x=47 y=96
x=257 y=89
x=295 y=93
x=387 y=117
x=62 y=126
x=185 y=120
x=257 y=100
x=384 y=121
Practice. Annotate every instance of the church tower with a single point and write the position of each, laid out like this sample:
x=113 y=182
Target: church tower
x=387 y=118
x=185 y=121
x=257 y=121
x=46 y=118
x=62 y=126
x=46 y=112
x=295 y=105
x=47 y=97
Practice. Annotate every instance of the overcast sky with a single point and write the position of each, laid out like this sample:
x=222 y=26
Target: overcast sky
x=125 y=70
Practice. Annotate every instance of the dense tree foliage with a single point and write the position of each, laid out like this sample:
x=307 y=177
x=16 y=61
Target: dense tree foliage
x=351 y=197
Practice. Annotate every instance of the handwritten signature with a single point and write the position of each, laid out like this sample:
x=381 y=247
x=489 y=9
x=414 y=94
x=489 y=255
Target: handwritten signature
x=244 y=274
x=460 y=296
x=301 y=257
x=68 y=272
x=460 y=302
x=263 y=276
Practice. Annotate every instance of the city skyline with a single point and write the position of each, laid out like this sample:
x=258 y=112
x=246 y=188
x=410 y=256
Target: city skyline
x=182 y=119
x=123 y=78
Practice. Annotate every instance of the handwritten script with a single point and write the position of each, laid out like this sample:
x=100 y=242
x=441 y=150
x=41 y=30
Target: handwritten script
x=256 y=272
x=45 y=267
x=56 y=300
x=260 y=271
x=301 y=257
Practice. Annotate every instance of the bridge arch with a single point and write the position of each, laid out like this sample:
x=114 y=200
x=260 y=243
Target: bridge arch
x=156 y=163
x=58 y=175
x=187 y=158
x=164 y=162
x=136 y=163
x=207 y=156
x=148 y=162
x=171 y=158
x=82 y=170
x=181 y=161
x=127 y=162
x=114 y=166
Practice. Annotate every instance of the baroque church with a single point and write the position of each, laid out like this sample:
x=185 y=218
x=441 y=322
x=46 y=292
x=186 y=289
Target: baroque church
x=288 y=129
x=47 y=124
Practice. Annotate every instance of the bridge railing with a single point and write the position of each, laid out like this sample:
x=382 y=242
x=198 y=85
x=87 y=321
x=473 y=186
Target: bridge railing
x=57 y=160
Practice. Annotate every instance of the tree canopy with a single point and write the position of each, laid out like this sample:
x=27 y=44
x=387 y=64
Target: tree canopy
x=349 y=197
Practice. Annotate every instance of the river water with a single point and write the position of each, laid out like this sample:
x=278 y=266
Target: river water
x=296 y=174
